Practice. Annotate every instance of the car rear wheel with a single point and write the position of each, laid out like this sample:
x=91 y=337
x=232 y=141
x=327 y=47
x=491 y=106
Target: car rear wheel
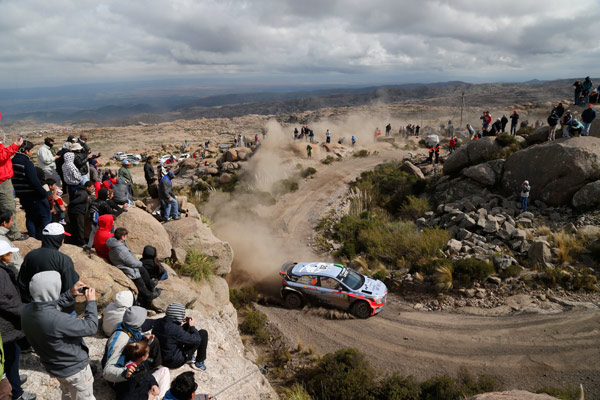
x=361 y=309
x=292 y=300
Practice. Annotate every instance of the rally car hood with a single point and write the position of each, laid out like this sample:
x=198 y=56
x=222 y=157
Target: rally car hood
x=373 y=287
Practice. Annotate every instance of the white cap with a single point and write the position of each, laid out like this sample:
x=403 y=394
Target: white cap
x=54 y=229
x=6 y=248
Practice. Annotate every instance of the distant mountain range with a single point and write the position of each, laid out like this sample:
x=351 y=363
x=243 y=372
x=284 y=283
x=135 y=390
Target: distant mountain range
x=161 y=105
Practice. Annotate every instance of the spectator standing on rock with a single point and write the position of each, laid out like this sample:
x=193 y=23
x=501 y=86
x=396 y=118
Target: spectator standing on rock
x=587 y=116
x=57 y=337
x=452 y=145
x=388 y=129
x=6 y=222
x=577 y=95
x=10 y=321
x=7 y=192
x=430 y=158
x=470 y=131
x=525 y=189
x=309 y=151
x=437 y=153
x=328 y=136
x=77 y=211
x=180 y=341
x=122 y=257
x=586 y=88
x=29 y=190
x=504 y=121
x=353 y=140
x=552 y=123
x=149 y=172
x=71 y=174
x=46 y=159
x=168 y=200
x=514 y=122
x=560 y=110
x=417 y=129
x=48 y=258
x=125 y=174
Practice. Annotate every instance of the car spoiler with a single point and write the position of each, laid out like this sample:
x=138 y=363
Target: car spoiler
x=286 y=268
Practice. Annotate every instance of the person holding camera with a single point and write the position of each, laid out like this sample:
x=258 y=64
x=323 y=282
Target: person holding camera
x=57 y=337
x=180 y=341
x=140 y=383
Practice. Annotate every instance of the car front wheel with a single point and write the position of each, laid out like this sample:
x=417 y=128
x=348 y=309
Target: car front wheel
x=361 y=309
x=292 y=300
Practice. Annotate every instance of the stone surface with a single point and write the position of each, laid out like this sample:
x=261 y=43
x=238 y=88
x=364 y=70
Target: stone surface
x=191 y=233
x=487 y=174
x=574 y=163
x=472 y=153
x=539 y=253
x=540 y=135
x=454 y=246
x=412 y=169
x=144 y=230
x=588 y=196
x=512 y=395
x=231 y=155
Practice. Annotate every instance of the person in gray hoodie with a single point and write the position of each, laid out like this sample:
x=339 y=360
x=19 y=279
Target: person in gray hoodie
x=57 y=337
x=121 y=257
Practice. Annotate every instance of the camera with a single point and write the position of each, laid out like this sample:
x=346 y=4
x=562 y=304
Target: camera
x=83 y=289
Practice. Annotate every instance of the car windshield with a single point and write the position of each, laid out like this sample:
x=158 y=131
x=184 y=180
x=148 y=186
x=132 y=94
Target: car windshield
x=351 y=278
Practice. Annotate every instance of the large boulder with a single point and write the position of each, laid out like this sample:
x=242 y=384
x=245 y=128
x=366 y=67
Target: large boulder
x=144 y=230
x=412 y=169
x=555 y=170
x=539 y=253
x=487 y=174
x=231 y=155
x=539 y=136
x=93 y=270
x=472 y=153
x=513 y=395
x=192 y=234
x=588 y=196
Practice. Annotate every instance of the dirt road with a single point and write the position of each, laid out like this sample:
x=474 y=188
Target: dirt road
x=523 y=351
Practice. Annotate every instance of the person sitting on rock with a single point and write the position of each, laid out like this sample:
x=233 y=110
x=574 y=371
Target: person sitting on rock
x=57 y=337
x=131 y=329
x=48 y=258
x=105 y=225
x=99 y=208
x=180 y=341
x=121 y=257
x=6 y=223
x=184 y=388
x=154 y=267
x=575 y=128
x=140 y=383
x=113 y=313
x=168 y=200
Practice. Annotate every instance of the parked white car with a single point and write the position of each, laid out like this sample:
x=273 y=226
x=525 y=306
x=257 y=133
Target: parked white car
x=120 y=156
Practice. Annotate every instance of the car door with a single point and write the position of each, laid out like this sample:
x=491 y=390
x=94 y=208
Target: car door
x=330 y=292
x=308 y=285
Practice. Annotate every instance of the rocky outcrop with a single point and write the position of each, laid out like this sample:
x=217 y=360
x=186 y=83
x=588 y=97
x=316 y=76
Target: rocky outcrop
x=487 y=174
x=191 y=233
x=588 y=196
x=412 y=169
x=555 y=171
x=539 y=136
x=472 y=153
x=512 y=395
x=144 y=230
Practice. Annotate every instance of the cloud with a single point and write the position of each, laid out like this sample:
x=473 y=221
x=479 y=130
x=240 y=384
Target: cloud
x=63 y=41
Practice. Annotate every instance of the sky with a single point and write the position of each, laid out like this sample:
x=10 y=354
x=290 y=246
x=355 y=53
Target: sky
x=52 y=43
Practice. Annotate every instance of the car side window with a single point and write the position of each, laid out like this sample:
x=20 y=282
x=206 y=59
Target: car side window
x=329 y=283
x=307 y=280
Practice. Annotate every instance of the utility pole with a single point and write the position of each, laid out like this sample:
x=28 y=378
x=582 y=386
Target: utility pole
x=462 y=108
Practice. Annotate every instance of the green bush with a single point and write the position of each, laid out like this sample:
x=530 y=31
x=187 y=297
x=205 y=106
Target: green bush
x=464 y=385
x=197 y=266
x=511 y=272
x=415 y=207
x=566 y=393
x=505 y=139
x=380 y=275
x=286 y=186
x=467 y=270
x=361 y=153
x=344 y=375
x=528 y=130
x=254 y=321
x=329 y=159
x=296 y=392
x=398 y=388
x=243 y=296
x=308 y=172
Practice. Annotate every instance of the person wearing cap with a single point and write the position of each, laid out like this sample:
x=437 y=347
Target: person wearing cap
x=10 y=321
x=587 y=117
x=57 y=337
x=81 y=161
x=7 y=192
x=71 y=174
x=6 y=222
x=180 y=341
x=525 y=189
x=168 y=201
x=514 y=122
x=121 y=257
x=48 y=258
x=131 y=329
x=28 y=188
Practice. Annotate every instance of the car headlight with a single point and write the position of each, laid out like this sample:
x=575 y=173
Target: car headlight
x=378 y=300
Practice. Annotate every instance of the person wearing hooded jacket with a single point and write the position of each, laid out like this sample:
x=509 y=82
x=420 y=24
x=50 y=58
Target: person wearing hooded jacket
x=98 y=208
x=10 y=321
x=48 y=258
x=71 y=174
x=105 y=225
x=113 y=313
x=150 y=262
x=129 y=330
x=525 y=189
x=57 y=337
x=121 y=257
x=29 y=190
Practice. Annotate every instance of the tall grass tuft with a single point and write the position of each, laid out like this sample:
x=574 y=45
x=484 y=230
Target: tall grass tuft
x=197 y=266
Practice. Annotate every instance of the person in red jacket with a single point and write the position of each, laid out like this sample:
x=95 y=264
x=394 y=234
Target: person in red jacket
x=7 y=192
x=105 y=224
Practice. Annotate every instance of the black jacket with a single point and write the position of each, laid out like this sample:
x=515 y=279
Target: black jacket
x=81 y=162
x=25 y=181
x=79 y=203
x=10 y=306
x=60 y=161
x=172 y=338
x=149 y=172
x=47 y=258
x=588 y=115
x=138 y=386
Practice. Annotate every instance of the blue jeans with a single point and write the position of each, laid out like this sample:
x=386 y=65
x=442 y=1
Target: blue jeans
x=170 y=208
x=586 y=129
x=577 y=96
x=524 y=203
x=12 y=353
